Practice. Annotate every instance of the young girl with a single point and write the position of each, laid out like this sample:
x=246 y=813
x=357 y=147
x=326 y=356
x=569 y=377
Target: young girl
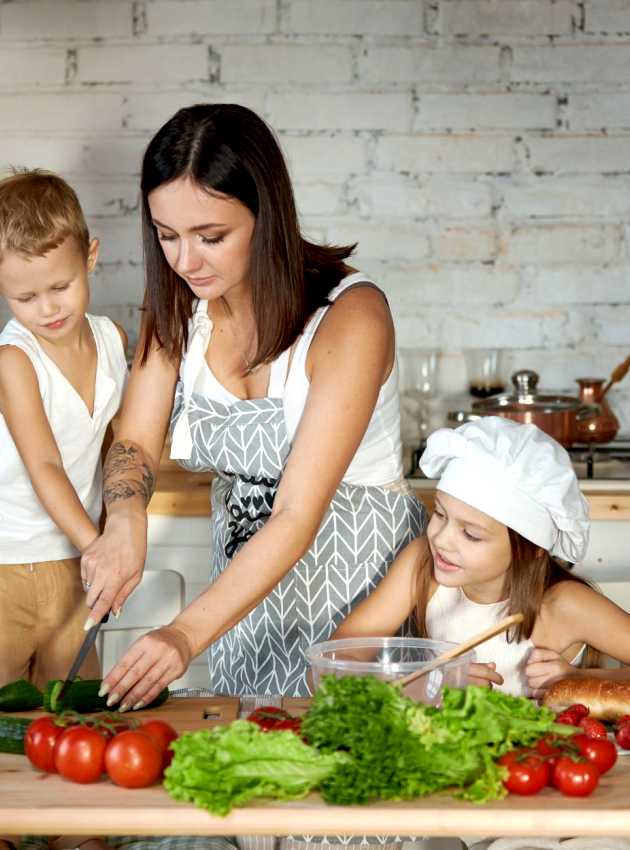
x=508 y=510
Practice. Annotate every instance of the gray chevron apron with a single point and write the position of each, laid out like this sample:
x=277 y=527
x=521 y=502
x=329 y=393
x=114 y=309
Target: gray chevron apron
x=246 y=445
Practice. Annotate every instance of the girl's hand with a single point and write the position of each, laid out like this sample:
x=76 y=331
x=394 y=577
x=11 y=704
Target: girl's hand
x=112 y=565
x=545 y=666
x=148 y=666
x=484 y=675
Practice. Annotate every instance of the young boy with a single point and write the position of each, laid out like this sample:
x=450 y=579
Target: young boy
x=62 y=374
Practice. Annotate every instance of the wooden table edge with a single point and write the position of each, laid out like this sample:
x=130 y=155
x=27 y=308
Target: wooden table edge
x=288 y=820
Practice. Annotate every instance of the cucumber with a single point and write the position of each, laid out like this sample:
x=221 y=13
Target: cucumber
x=12 y=732
x=82 y=696
x=20 y=696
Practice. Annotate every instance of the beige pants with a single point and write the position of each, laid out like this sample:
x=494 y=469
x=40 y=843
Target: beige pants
x=42 y=612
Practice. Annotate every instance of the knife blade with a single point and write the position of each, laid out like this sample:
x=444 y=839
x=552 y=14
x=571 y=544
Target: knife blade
x=85 y=647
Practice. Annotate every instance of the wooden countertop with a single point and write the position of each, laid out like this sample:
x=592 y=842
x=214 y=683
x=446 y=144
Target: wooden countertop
x=32 y=804
x=181 y=493
x=35 y=803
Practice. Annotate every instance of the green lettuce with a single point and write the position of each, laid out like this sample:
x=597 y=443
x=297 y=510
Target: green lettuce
x=366 y=740
x=227 y=766
x=400 y=749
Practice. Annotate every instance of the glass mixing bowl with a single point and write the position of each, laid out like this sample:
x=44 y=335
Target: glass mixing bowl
x=390 y=658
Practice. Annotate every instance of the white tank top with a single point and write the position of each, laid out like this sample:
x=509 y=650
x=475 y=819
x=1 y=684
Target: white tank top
x=27 y=533
x=378 y=460
x=451 y=615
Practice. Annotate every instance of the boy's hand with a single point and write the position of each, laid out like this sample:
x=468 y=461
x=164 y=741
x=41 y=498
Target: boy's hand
x=484 y=675
x=111 y=566
x=545 y=666
x=148 y=666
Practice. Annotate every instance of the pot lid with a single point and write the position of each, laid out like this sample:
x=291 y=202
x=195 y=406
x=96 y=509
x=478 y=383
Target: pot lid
x=526 y=398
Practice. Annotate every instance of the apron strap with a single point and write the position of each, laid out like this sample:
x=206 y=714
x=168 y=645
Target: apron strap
x=192 y=362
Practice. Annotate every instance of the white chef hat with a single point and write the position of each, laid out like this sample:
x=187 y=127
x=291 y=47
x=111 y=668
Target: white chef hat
x=518 y=475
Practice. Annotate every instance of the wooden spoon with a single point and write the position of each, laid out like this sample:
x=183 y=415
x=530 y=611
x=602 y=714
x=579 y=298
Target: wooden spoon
x=618 y=373
x=461 y=648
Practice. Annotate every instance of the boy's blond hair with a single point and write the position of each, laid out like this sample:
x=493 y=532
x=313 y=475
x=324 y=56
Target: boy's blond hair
x=38 y=211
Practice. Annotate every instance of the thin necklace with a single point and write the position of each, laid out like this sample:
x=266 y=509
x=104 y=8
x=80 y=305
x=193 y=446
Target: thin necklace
x=244 y=357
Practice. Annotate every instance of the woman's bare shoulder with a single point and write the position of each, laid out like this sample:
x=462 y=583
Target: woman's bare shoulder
x=358 y=327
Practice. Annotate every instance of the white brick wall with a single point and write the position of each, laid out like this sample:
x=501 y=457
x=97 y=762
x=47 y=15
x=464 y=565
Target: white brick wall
x=468 y=18
x=479 y=150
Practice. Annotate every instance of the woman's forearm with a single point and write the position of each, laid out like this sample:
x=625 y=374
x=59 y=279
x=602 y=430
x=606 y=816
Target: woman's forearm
x=251 y=575
x=128 y=478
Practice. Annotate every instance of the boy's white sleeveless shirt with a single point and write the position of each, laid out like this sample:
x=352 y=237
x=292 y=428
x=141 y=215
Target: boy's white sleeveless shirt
x=27 y=533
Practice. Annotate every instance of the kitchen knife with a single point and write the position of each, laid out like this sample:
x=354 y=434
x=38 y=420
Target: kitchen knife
x=86 y=646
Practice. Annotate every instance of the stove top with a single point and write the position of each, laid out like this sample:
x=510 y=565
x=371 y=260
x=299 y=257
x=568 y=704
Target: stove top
x=601 y=461
x=594 y=461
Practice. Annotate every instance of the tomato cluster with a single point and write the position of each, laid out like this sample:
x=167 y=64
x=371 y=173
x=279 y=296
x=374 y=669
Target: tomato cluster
x=81 y=750
x=268 y=718
x=572 y=765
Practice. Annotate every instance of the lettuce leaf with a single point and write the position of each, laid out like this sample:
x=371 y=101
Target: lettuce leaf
x=400 y=749
x=224 y=767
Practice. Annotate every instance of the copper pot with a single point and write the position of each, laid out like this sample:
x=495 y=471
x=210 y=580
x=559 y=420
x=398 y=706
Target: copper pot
x=603 y=427
x=557 y=415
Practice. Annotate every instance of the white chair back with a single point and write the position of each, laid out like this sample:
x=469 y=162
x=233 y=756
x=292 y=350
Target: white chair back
x=156 y=601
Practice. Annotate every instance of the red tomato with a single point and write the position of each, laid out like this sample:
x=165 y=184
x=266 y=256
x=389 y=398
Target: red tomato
x=568 y=717
x=578 y=709
x=162 y=733
x=625 y=718
x=107 y=729
x=593 y=728
x=603 y=754
x=133 y=759
x=79 y=754
x=528 y=774
x=293 y=724
x=268 y=717
x=39 y=743
x=622 y=736
x=549 y=748
x=575 y=778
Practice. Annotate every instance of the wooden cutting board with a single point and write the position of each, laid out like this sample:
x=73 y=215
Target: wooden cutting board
x=191 y=713
x=185 y=715
x=296 y=705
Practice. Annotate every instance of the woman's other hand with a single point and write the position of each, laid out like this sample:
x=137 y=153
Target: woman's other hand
x=148 y=666
x=112 y=565
x=545 y=666
x=484 y=675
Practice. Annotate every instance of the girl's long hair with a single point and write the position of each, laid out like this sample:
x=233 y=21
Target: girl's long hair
x=532 y=572
x=227 y=148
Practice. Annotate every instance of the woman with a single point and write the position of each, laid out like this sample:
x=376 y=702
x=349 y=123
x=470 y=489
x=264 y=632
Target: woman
x=275 y=362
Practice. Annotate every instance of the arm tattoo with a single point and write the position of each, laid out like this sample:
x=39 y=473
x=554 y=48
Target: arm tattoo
x=126 y=475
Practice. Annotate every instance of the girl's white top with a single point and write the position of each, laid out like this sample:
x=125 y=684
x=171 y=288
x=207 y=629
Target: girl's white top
x=27 y=533
x=378 y=460
x=452 y=616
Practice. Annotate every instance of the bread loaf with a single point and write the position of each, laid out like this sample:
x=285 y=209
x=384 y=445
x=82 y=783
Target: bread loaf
x=606 y=699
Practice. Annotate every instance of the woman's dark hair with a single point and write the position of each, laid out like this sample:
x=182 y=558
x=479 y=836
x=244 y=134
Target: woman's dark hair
x=532 y=572
x=227 y=148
